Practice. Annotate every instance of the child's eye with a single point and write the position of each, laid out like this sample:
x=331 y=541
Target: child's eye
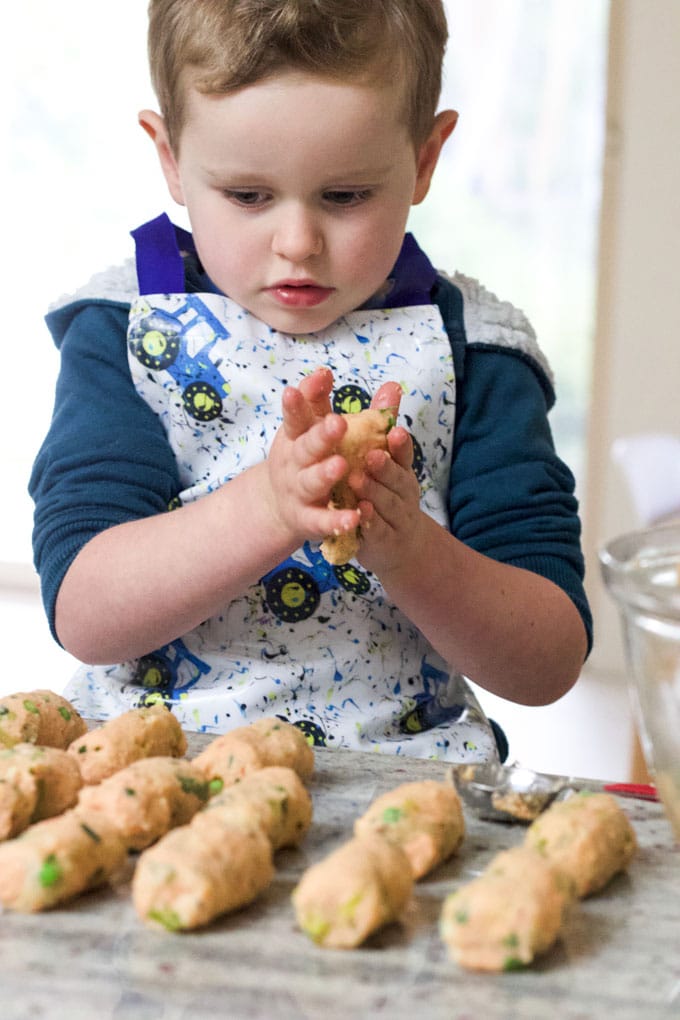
x=351 y=197
x=246 y=196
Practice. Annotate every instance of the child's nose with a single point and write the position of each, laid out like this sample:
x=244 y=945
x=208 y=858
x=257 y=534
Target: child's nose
x=298 y=235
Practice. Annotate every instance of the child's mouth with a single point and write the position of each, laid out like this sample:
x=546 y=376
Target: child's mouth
x=299 y=294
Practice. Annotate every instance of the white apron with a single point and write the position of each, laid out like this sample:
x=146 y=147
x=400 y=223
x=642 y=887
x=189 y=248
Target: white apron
x=319 y=646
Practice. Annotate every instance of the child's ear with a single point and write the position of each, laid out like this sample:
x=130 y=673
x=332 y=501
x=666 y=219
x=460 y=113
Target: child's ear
x=154 y=125
x=428 y=154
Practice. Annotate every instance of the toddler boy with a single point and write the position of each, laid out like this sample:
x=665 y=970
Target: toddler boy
x=207 y=379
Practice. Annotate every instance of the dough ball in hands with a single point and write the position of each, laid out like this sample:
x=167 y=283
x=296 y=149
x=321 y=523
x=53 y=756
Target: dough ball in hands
x=366 y=430
x=424 y=818
x=357 y=889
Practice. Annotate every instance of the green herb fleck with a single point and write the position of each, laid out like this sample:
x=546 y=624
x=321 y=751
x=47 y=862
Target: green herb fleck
x=4 y=710
x=198 y=787
x=391 y=815
x=82 y=749
x=31 y=706
x=513 y=963
x=316 y=927
x=511 y=940
x=130 y=792
x=50 y=872
x=64 y=713
x=390 y=414
x=461 y=916
x=168 y=918
x=215 y=786
x=349 y=907
x=90 y=832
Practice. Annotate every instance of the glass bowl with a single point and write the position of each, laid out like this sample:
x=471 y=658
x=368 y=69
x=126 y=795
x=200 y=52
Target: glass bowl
x=641 y=571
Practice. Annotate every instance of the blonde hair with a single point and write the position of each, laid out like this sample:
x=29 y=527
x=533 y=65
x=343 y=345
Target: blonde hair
x=222 y=45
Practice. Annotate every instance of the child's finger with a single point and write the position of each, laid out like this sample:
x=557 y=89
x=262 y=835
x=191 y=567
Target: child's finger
x=334 y=522
x=316 y=389
x=400 y=446
x=390 y=484
x=389 y=395
x=297 y=413
x=317 y=479
x=321 y=440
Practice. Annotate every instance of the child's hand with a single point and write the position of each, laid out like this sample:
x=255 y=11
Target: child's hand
x=389 y=496
x=302 y=467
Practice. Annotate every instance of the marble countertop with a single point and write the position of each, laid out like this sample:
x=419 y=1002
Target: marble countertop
x=618 y=956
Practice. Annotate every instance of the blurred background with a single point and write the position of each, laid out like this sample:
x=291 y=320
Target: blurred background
x=558 y=191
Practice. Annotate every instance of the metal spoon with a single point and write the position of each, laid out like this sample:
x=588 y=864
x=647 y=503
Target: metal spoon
x=512 y=793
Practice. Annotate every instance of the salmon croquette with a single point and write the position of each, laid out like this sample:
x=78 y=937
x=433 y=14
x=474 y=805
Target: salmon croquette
x=424 y=818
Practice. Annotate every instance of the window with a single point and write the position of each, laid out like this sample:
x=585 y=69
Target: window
x=515 y=202
x=78 y=174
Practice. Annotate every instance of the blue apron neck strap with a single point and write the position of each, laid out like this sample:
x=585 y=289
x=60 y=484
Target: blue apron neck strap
x=414 y=276
x=159 y=245
x=158 y=248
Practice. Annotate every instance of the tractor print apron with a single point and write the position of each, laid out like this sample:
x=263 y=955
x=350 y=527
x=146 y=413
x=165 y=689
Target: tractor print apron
x=320 y=646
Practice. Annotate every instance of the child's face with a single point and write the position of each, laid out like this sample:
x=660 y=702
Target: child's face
x=298 y=190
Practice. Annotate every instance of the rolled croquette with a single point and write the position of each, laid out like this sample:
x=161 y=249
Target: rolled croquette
x=39 y=717
x=147 y=799
x=18 y=797
x=354 y=891
x=139 y=733
x=57 y=859
x=273 y=798
x=35 y=783
x=228 y=758
x=201 y=871
x=281 y=743
x=424 y=818
x=366 y=430
x=588 y=837
x=233 y=755
x=508 y=915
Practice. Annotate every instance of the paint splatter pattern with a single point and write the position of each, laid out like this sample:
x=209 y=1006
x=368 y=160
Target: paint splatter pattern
x=320 y=646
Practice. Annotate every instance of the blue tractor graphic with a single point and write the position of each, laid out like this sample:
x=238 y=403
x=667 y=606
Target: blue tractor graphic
x=159 y=341
x=294 y=588
x=168 y=672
